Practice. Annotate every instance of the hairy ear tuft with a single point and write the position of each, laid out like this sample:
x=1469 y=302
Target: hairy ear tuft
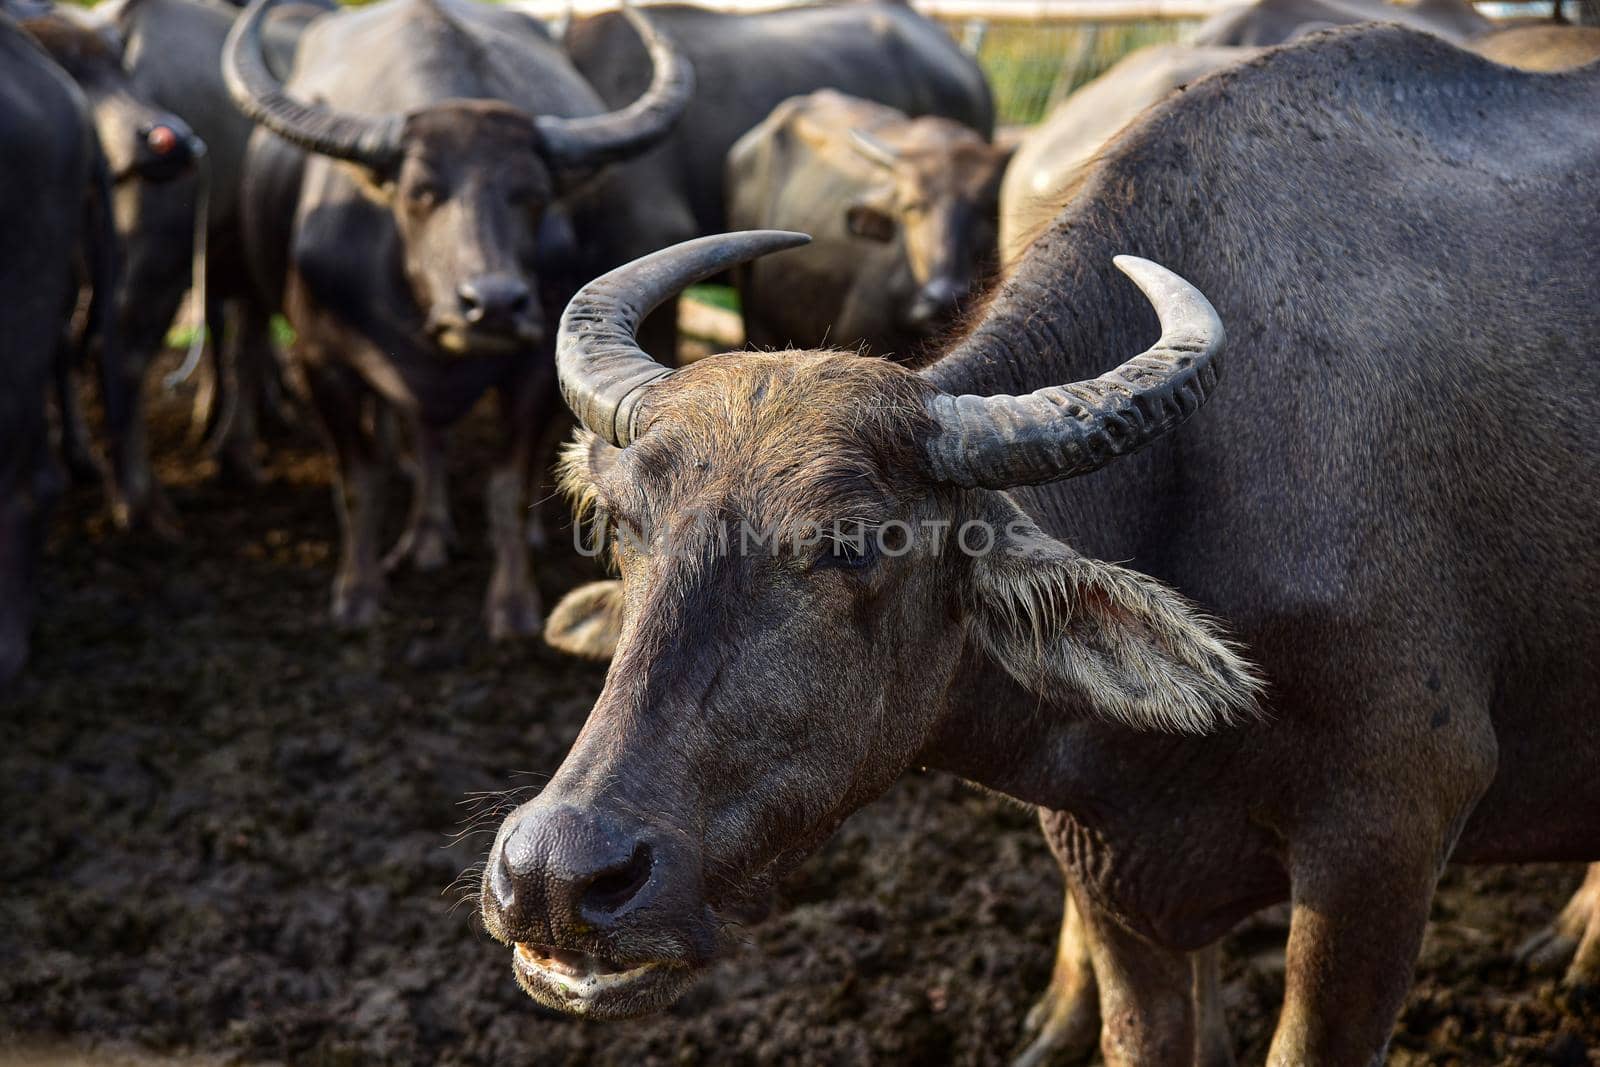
x=588 y=621
x=1123 y=644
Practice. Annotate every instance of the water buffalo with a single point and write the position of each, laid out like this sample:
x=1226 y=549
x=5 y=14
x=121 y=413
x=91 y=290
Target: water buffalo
x=53 y=196
x=1268 y=22
x=172 y=50
x=1391 y=501
x=145 y=147
x=397 y=221
x=902 y=214
x=1053 y=154
x=746 y=65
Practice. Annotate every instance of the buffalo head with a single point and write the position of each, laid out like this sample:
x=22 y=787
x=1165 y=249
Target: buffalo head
x=467 y=182
x=936 y=188
x=811 y=545
x=138 y=139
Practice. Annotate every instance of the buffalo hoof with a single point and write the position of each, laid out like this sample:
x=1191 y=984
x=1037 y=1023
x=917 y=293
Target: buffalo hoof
x=1549 y=951
x=357 y=607
x=1063 y=1031
x=1572 y=941
x=150 y=513
x=512 y=616
x=425 y=546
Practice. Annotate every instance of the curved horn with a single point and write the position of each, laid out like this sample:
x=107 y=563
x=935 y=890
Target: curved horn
x=599 y=139
x=373 y=142
x=873 y=149
x=1001 y=441
x=603 y=371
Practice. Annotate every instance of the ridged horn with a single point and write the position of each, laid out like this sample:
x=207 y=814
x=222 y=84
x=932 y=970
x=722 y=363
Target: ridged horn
x=1002 y=441
x=602 y=370
x=372 y=142
x=581 y=143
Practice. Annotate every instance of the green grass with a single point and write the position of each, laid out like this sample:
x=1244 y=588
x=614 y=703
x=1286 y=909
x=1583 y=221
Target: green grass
x=1033 y=66
x=725 y=297
x=282 y=333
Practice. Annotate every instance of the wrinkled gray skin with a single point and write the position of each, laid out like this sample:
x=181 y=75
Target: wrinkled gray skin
x=146 y=150
x=50 y=142
x=1053 y=154
x=373 y=268
x=172 y=50
x=902 y=225
x=1269 y=22
x=1391 y=501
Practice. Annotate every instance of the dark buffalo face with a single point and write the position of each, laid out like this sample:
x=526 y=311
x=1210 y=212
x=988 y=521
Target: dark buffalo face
x=467 y=194
x=139 y=140
x=467 y=180
x=754 y=701
x=811 y=547
x=938 y=193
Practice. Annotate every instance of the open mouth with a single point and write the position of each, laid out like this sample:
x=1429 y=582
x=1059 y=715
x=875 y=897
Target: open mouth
x=583 y=984
x=462 y=340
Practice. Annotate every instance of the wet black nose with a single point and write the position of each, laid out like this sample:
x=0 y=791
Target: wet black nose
x=494 y=300
x=936 y=302
x=569 y=870
x=166 y=148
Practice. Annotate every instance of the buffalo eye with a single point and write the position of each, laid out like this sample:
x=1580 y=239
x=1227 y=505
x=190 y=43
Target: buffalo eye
x=848 y=554
x=424 y=194
x=869 y=223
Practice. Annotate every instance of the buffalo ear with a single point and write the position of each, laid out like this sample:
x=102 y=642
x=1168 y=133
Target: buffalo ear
x=1118 y=643
x=588 y=621
x=377 y=186
x=871 y=222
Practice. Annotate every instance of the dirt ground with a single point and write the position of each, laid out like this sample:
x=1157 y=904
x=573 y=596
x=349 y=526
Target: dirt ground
x=234 y=834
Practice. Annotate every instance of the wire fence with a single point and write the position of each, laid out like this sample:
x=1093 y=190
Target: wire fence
x=1032 y=66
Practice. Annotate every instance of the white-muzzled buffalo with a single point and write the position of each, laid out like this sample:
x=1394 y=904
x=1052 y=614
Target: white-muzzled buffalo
x=1389 y=504
x=901 y=213
x=399 y=202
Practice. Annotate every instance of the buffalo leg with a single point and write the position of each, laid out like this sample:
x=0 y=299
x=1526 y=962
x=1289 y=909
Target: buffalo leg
x=1065 y=1023
x=358 y=586
x=1574 y=936
x=239 y=373
x=1353 y=940
x=1213 y=1046
x=75 y=447
x=137 y=499
x=429 y=533
x=1146 y=996
x=511 y=608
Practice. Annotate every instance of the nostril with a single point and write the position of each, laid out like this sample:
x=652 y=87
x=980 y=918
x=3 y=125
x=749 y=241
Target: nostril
x=519 y=302
x=610 y=891
x=501 y=884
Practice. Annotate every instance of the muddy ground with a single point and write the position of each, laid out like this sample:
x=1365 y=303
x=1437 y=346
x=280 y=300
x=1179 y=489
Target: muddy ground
x=234 y=833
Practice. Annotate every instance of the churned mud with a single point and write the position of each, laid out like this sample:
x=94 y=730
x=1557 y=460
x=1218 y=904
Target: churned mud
x=234 y=835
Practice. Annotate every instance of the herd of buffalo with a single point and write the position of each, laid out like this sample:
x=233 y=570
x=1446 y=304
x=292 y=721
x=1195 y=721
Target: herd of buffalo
x=1354 y=627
